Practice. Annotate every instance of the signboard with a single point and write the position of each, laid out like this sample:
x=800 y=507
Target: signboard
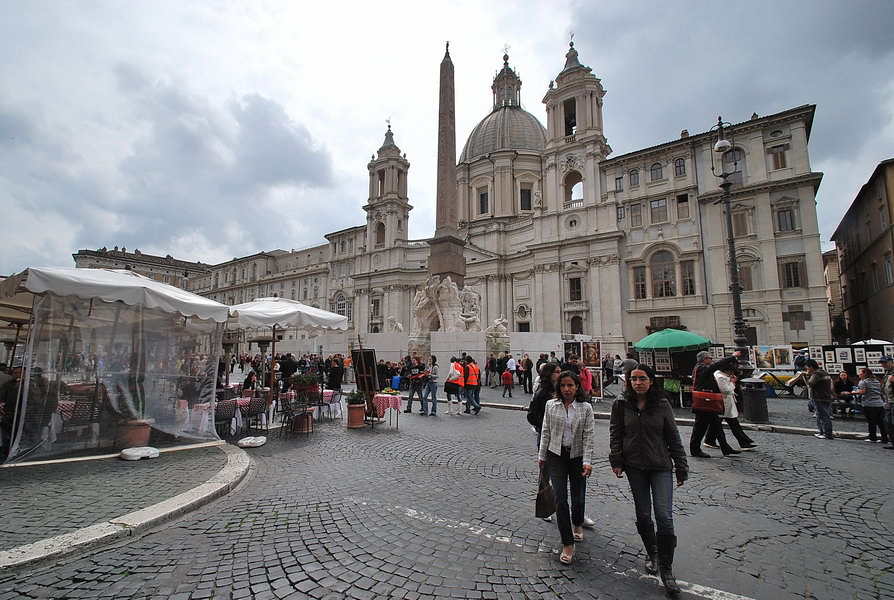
x=571 y=348
x=365 y=370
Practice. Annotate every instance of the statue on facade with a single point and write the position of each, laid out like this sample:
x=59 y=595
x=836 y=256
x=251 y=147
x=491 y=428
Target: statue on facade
x=501 y=325
x=394 y=326
x=439 y=305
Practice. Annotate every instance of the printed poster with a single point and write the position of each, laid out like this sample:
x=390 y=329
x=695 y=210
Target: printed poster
x=830 y=356
x=816 y=353
x=876 y=369
x=764 y=358
x=591 y=354
x=859 y=355
x=717 y=352
x=782 y=356
x=596 y=392
x=843 y=355
x=889 y=350
x=572 y=348
x=834 y=369
x=662 y=362
x=872 y=357
x=647 y=359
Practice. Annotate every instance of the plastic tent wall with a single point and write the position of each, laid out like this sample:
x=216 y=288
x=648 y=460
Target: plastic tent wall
x=96 y=369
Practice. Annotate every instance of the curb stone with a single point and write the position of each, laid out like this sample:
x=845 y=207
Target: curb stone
x=133 y=523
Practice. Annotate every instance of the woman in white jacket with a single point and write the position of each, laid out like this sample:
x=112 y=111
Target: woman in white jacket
x=566 y=448
x=726 y=381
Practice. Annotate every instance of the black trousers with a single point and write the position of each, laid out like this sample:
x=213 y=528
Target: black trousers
x=705 y=421
x=736 y=429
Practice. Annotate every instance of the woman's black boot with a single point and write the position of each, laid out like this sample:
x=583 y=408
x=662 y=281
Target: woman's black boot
x=647 y=534
x=666 y=544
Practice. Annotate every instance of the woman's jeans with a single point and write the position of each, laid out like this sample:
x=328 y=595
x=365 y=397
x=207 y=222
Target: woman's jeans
x=875 y=417
x=430 y=388
x=823 y=417
x=653 y=486
x=562 y=471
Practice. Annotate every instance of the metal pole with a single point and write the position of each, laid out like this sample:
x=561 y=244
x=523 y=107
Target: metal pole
x=739 y=338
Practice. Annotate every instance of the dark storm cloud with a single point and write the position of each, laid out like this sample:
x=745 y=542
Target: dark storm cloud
x=679 y=65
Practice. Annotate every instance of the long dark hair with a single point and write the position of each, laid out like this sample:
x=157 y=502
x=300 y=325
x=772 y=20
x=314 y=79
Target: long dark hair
x=653 y=396
x=546 y=381
x=579 y=395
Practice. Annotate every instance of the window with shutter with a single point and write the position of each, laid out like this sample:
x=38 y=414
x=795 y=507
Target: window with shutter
x=639 y=283
x=746 y=276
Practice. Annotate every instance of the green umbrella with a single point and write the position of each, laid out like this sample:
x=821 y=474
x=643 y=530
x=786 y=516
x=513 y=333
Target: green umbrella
x=672 y=340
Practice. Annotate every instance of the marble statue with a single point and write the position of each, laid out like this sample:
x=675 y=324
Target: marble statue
x=394 y=326
x=439 y=305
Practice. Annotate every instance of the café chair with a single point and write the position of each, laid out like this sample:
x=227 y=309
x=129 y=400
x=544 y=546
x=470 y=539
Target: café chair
x=224 y=413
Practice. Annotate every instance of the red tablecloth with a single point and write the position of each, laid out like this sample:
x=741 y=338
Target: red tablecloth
x=65 y=408
x=382 y=402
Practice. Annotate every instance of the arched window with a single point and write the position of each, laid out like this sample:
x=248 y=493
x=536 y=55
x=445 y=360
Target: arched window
x=656 y=172
x=663 y=278
x=734 y=163
x=577 y=325
x=574 y=189
x=340 y=304
x=634 y=177
x=679 y=167
x=380 y=234
x=375 y=329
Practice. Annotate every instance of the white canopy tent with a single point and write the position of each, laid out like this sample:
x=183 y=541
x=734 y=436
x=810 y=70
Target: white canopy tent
x=276 y=312
x=141 y=345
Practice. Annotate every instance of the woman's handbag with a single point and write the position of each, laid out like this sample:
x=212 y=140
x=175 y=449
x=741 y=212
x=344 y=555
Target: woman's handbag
x=546 y=498
x=709 y=402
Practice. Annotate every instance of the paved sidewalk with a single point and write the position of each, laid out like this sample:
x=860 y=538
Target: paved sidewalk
x=51 y=509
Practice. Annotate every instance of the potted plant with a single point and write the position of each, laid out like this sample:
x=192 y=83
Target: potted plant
x=133 y=428
x=305 y=383
x=356 y=401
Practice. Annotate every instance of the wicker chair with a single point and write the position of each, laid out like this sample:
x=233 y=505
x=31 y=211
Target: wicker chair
x=223 y=416
x=257 y=407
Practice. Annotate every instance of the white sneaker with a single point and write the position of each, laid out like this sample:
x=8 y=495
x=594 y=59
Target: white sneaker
x=818 y=435
x=588 y=522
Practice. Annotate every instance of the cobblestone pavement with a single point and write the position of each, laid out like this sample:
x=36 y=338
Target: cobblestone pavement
x=785 y=410
x=441 y=508
x=41 y=501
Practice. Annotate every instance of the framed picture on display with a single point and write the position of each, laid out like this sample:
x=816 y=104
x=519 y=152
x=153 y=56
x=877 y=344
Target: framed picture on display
x=816 y=353
x=571 y=348
x=859 y=355
x=764 y=358
x=596 y=392
x=662 y=362
x=591 y=356
x=843 y=355
x=782 y=356
x=876 y=369
x=647 y=359
x=872 y=357
x=717 y=351
x=829 y=356
x=889 y=350
x=834 y=369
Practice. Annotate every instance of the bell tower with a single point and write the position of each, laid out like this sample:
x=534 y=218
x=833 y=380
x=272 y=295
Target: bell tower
x=575 y=143
x=388 y=208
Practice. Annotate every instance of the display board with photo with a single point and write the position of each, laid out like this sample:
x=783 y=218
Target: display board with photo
x=591 y=354
x=859 y=355
x=876 y=369
x=816 y=353
x=662 y=362
x=571 y=348
x=783 y=356
x=764 y=358
x=873 y=356
x=829 y=356
x=843 y=355
x=596 y=392
x=889 y=350
x=647 y=359
x=834 y=368
x=717 y=351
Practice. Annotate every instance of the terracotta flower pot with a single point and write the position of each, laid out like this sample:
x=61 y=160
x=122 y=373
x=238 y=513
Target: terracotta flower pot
x=134 y=433
x=356 y=413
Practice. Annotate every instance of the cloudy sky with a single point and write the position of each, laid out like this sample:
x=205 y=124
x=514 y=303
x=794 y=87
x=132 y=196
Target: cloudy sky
x=210 y=130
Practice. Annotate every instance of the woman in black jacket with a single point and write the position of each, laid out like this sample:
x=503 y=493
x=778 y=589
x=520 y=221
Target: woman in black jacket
x=546 y=391
x=646 y=445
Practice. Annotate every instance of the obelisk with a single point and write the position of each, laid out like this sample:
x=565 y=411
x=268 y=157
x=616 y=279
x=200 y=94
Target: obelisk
x=446 y=248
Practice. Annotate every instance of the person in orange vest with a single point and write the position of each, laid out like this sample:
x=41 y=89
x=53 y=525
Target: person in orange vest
x=473 y=385
x=454 y=385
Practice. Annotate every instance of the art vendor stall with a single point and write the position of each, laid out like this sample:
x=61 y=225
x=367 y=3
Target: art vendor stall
x=112 y=360
x=671 y=353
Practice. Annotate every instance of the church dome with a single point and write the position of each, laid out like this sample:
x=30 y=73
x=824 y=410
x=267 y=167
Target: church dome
x=506 y=128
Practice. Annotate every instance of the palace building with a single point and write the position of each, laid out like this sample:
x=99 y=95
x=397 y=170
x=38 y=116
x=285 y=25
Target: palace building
x=561 y=236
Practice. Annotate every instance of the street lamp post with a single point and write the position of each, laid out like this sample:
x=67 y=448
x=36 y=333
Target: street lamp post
x=721 y=147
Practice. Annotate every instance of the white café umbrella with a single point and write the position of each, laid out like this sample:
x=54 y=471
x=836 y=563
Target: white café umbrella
x=281 y=312
x=870 y=342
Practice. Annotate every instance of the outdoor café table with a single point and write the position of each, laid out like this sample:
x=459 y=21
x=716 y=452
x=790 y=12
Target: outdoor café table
x=382 y=402
x=327 y=398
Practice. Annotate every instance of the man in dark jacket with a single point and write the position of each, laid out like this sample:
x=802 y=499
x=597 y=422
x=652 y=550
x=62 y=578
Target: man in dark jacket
x=703 y=380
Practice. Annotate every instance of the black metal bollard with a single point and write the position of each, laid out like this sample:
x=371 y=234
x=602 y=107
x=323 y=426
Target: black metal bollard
x=754 y=401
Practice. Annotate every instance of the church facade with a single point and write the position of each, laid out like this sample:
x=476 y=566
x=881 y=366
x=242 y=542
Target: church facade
x=562 y=237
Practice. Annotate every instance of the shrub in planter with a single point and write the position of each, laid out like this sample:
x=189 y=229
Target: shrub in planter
x=356 y=402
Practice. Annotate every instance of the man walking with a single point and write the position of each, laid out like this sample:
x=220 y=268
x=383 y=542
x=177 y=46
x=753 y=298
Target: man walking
x=703 y=378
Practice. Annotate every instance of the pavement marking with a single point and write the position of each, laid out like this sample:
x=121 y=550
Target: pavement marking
x=702 y=591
